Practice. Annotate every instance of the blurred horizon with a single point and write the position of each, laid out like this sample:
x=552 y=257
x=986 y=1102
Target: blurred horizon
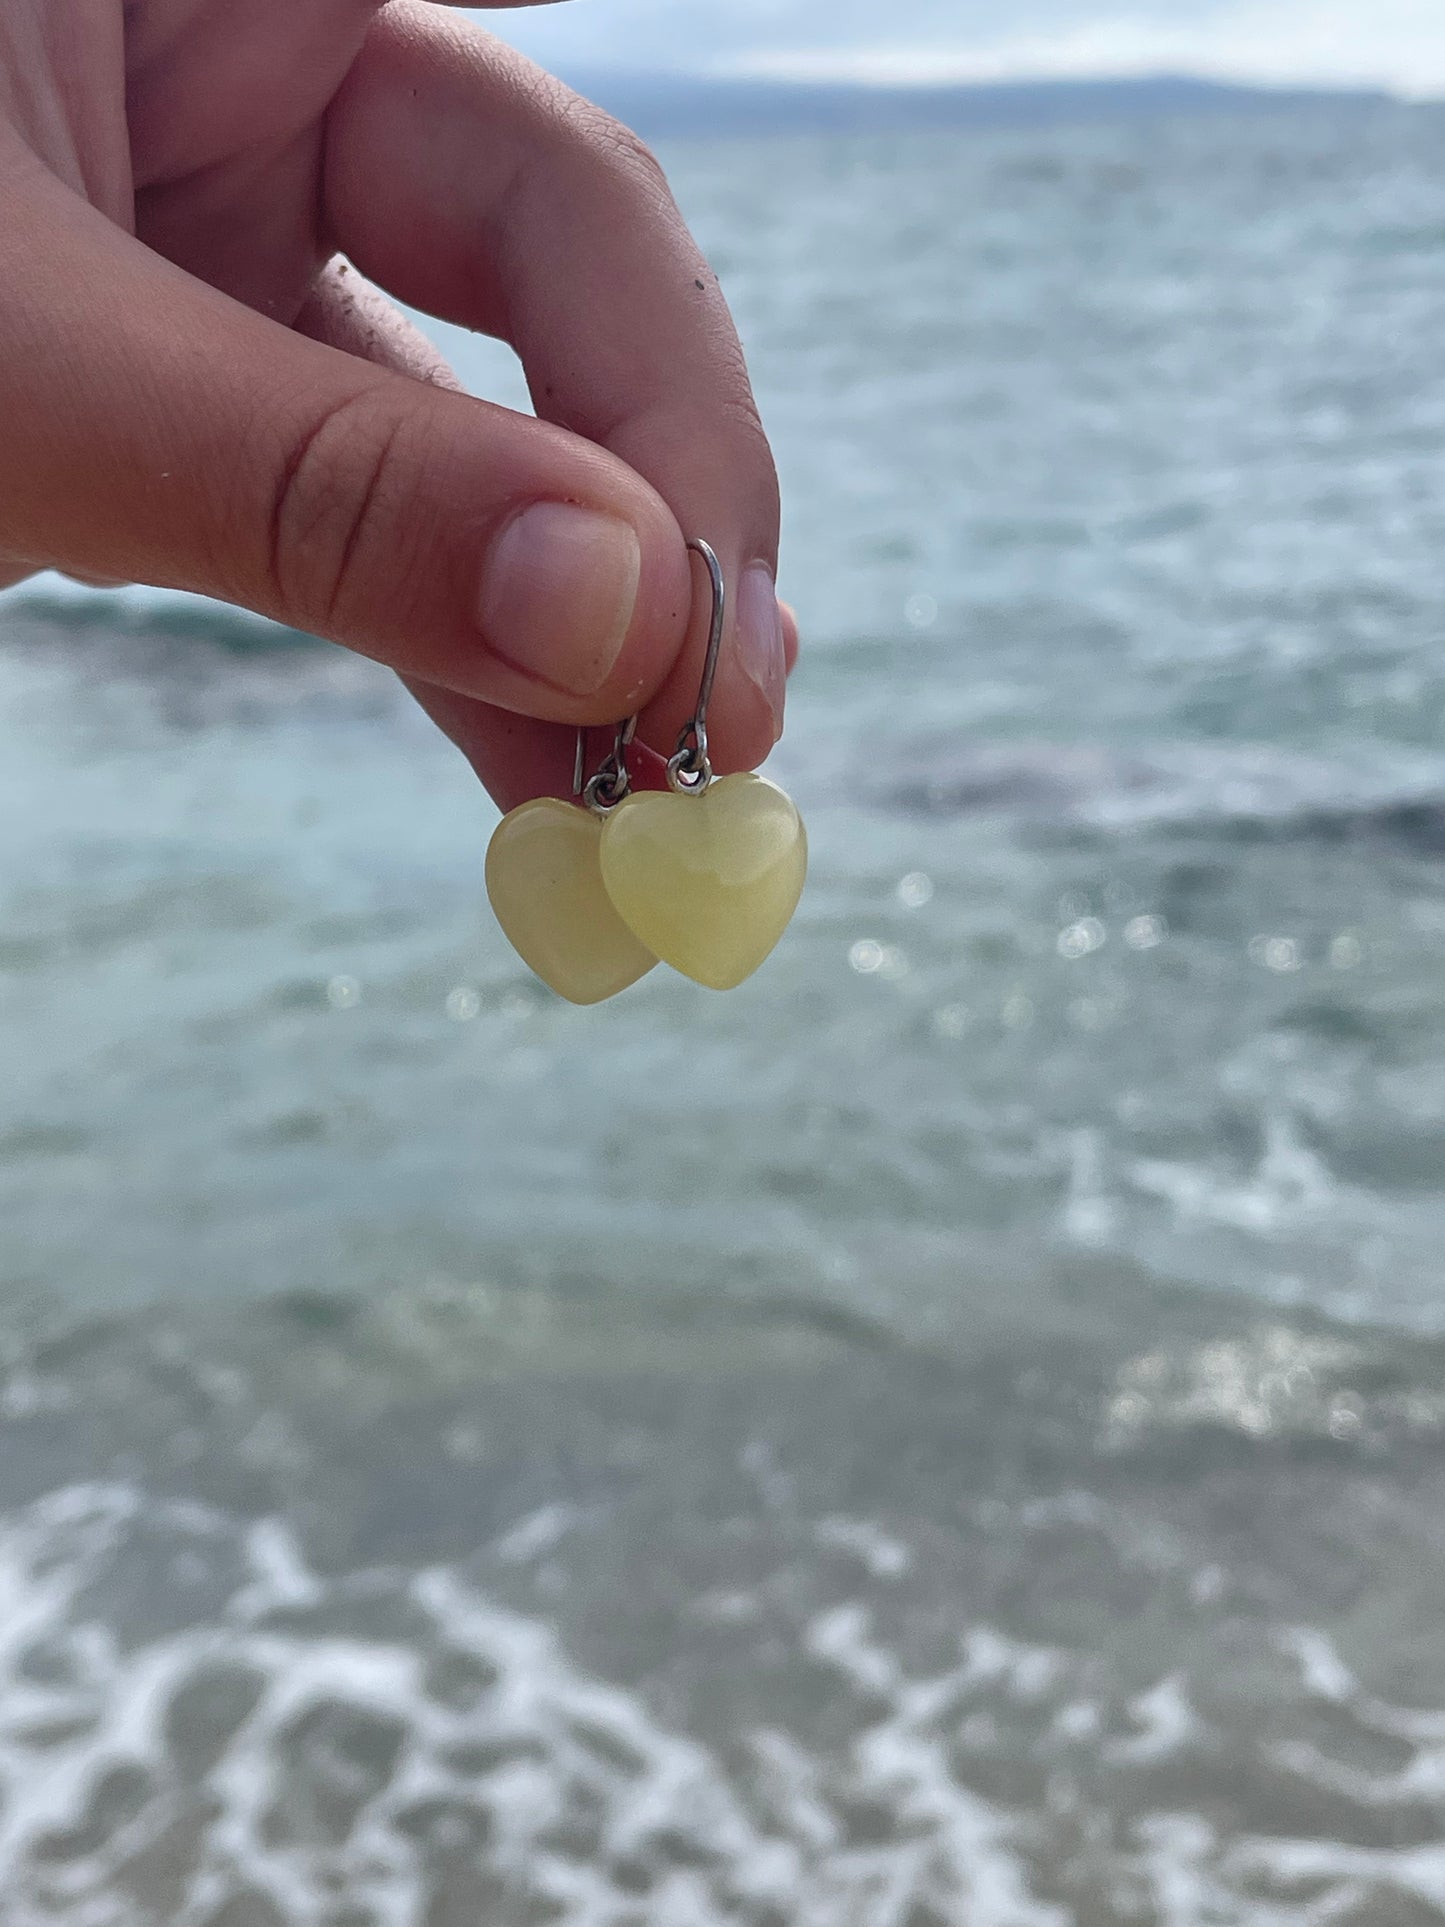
x=1397 y=45
x=676 y=106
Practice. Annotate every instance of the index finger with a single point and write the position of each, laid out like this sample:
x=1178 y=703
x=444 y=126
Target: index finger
x=476 y=188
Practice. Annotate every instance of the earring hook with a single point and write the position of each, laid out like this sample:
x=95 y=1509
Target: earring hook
x=690 y=771
x=611 y=784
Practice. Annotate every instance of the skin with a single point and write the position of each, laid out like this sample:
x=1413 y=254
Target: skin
x=198 y=389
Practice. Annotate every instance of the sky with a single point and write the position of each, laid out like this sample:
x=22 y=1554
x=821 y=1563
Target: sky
x=1399 y=44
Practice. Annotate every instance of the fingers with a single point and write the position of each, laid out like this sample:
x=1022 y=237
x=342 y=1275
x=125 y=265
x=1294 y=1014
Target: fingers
x=157 y=431
x=516 y=757
x=473 y=186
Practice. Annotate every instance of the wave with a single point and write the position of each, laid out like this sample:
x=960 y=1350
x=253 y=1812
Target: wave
x=1251 y=793
x=52 y=603
x=400 y=1748
x=372 y=1631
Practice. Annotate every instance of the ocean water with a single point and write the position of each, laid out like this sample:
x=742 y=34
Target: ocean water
x=952 y=1435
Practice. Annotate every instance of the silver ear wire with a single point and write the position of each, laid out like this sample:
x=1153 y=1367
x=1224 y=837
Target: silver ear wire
x=690 y=771
x=612 y=784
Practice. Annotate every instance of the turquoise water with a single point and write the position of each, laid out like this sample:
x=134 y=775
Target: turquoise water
x=951 y=1433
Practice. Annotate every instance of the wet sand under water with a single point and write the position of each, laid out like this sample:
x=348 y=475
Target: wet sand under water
x=520 y=1607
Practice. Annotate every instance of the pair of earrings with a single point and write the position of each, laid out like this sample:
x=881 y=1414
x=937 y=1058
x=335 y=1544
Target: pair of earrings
x=704 y=876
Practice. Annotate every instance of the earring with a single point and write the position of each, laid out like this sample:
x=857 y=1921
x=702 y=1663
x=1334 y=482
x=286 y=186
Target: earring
x=707 y=878
x=544 y=878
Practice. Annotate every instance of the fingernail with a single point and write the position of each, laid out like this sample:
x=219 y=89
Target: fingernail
x=760 y=639
x=558 y=592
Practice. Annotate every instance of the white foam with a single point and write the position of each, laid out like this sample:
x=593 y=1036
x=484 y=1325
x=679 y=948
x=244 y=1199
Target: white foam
x=1167 y=1724
x=1290 y=1185
x=884 y=1556
x=574 y=1780
x=570 y=1735
x=537 y=1534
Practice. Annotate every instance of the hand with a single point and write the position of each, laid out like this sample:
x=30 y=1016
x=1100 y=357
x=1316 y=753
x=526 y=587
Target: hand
x=197 y=392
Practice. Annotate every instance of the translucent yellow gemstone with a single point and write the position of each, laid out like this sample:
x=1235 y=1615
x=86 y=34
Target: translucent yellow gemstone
x=545 y=882
x=709 y=883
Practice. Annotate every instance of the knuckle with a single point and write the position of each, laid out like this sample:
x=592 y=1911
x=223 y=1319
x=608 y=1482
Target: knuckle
x=738 y=412
x=624 y=156
x=736 y=425
x=630 y=154
x=337 y=489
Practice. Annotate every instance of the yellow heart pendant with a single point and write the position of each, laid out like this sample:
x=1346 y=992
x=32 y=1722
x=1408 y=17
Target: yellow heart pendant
x=545 y=882
x=708 y=883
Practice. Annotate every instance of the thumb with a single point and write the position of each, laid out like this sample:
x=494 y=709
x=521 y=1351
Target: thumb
x=157 y=431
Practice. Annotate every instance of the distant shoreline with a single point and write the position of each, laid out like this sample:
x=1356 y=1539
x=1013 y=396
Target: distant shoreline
x=678 y=105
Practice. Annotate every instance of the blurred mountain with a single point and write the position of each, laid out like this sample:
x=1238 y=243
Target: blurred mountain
x=659 y=104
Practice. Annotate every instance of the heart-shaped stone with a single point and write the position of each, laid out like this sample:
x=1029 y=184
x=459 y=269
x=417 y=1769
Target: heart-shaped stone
x=544 y=878
x=708 y=883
